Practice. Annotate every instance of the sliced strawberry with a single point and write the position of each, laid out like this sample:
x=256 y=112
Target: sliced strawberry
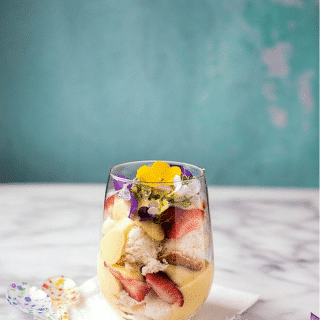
x=109 y=202
x=169 y=215
x=165 y=288
x=108 y=206
x=179 y=222
x=137 y=288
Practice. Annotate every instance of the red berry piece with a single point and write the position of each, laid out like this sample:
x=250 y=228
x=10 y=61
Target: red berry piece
x=165 y=288
x=179 y=222
x=137 y=288
x=109 y=202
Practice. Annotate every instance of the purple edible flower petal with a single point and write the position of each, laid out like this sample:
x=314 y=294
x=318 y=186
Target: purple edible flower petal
x=183 y=170
x=134 y=204
x=186 y=172
x=314 y=317
x=118 y=185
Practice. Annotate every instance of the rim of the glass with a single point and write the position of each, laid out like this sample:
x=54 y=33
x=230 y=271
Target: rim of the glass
x=114 y=176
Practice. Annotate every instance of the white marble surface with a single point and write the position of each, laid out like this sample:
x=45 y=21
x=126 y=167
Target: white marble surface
x=266 y=241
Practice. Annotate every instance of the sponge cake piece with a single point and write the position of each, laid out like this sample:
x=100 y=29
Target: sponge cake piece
x=188 y=252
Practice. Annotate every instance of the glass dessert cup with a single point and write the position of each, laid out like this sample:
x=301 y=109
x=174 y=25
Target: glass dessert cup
x=156 y=252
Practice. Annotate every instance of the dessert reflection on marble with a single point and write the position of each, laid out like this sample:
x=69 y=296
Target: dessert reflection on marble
x=266 y=241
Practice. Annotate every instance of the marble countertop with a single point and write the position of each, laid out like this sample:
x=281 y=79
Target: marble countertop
x=266 y=241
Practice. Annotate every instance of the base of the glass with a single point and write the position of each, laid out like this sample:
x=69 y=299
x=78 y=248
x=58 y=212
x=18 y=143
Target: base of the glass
x=132 y=317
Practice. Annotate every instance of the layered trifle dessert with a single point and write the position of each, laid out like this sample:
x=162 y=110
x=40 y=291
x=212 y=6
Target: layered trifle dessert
x=155 y=260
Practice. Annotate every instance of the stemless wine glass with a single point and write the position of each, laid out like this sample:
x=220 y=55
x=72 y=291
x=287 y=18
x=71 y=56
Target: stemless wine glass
x=156 y=252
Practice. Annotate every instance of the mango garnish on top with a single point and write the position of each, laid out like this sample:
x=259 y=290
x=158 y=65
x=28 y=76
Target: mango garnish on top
x=160 y=172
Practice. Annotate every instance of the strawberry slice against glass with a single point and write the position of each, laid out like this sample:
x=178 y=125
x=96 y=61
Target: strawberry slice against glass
x=109 y=202
x=165 y=288
x=179 y=222
x=133 y=282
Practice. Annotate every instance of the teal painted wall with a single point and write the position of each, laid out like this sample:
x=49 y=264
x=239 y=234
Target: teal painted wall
x=231 y=86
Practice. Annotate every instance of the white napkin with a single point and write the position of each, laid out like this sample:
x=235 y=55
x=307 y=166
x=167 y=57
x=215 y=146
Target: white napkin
x=222 y=303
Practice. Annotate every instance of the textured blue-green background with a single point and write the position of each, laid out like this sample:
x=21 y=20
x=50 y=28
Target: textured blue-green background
x=231 y=86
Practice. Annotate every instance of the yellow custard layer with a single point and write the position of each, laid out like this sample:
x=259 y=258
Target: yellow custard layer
x=195 y=293
x=194 y=285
